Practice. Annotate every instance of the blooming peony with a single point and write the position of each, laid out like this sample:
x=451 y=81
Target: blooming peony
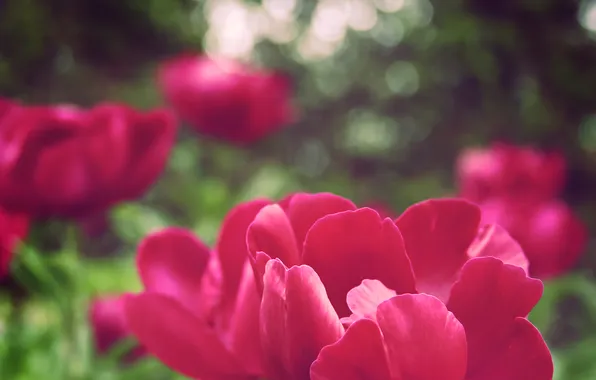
x=551 y=236
x=337 y=292
x=63 y=161
x=225 y=99
x=505 y=170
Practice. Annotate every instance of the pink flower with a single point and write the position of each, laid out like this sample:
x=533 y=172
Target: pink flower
x=505 y=170
x=337 y=292
x=224 y=99
x=551 y=236
x=199 y=311
x=517 y=189
x=434 y=294
x=108 y=323
x=62 y=161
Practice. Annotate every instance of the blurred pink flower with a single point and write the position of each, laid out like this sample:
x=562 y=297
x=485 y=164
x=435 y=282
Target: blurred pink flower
x=504 y=170
x=551 y=236
x=62 y=161
x=225 y=99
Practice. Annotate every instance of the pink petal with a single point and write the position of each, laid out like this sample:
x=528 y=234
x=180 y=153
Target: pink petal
x=437 y=234
x=258 y=265
x=305 y=209
x=358 y=355
x=271 y=233
x=297 y=320
x=487 y=299
x=526 y=357
x=494 y=241
x=243 y=332
x=349 y=246
x=178 y=338
x=424 y=340
x=231 y=243
x=364 y=299
x=173 y=261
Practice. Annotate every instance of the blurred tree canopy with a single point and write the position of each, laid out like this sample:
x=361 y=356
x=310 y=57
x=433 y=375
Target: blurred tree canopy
x=389 y=90
x=467 y=71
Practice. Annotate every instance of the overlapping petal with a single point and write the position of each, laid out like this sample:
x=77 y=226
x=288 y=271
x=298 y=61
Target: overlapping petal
x=437 y=234
x=178 y=338
x=359 y=355
x=494 y=241
x=488 y=299
x=424 y=340
x=349 y=246
x=297 y=320
x=231 y=243
x=173 y=262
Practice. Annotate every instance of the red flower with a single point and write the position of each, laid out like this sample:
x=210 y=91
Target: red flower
x=65 y=161
x=199 y=310
x=508 y=170
x=551 y=236
x=13 y=229
x=449 y=309
x=224 y=99
x=106 y=315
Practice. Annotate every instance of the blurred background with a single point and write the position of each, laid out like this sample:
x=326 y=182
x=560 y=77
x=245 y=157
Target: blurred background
x=388 y=92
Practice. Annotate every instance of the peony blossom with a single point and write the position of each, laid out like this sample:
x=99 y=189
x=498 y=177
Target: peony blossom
x=13 y=229
x=435 y=294
x=550 y=234
x=332 y=291
x=199 y=309
x=108 y=323
x=65 y=161
x=505 y=170
x=225 y=99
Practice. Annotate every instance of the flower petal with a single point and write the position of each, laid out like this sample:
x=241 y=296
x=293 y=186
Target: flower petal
x=437 y=234
x=179 y=339
x=494 y=241
x=424 y=340
x=305 y=209
x=243 y=331
x=487 y=299
x=297 y=320
x=349 y=246
x=364 y=299
x=358 y=355
x=526 y=357
x=231 y=243
x=271 y=233
x=173 y=261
